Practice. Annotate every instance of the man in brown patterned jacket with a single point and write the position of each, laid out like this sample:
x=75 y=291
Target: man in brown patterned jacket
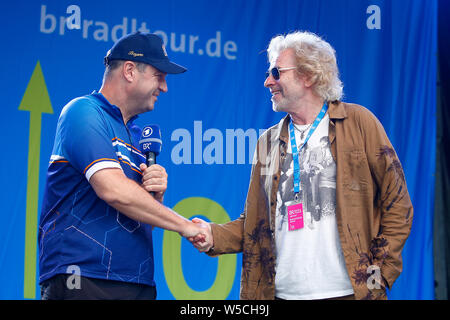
x=347 y=243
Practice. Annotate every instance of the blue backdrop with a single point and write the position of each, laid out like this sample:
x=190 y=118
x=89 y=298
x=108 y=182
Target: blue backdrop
x=212 y=114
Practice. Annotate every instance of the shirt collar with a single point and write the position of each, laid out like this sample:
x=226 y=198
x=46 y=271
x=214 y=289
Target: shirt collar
x=335 y=111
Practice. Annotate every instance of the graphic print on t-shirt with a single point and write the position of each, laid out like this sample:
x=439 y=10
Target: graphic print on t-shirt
x=318 y=181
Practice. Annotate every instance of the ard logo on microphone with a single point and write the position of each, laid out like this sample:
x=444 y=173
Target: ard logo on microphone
x=147 y=132
x=151 y=139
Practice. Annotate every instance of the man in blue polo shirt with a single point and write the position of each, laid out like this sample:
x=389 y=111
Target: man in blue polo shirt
x=95 y=231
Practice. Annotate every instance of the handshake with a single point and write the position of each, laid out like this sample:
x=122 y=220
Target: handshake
x=200 y=235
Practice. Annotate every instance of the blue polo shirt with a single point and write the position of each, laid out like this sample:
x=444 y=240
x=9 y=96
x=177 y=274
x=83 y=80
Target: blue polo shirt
x=78 y=228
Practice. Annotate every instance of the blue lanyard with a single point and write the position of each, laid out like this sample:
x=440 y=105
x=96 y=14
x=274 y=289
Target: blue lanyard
x=295 y=151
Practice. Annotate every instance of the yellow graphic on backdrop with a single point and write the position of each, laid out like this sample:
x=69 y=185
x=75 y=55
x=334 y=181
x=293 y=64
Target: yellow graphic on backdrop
x=36 y=101
x=172 y=264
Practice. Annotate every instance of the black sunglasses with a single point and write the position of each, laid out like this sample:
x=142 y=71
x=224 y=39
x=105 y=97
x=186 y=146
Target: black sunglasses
x=275 y=71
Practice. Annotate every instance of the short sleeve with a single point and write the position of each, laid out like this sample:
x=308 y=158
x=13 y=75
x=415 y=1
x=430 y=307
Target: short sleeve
x=85 y=141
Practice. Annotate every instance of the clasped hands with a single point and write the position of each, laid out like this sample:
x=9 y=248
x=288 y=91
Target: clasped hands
x=199 y=234
x=203 y=244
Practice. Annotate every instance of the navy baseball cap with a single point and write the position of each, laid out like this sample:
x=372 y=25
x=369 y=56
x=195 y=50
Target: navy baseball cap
x=146 y=48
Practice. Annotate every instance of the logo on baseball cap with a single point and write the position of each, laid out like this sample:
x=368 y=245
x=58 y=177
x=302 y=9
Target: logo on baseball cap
x=146 y=48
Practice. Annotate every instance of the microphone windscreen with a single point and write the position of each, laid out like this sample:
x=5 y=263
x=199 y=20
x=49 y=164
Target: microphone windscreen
x=151 y=139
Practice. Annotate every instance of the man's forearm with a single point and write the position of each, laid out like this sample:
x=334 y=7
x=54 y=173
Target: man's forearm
x=228 y=237
x=128 y=197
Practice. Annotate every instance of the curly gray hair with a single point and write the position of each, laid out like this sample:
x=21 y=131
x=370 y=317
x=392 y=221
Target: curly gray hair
x=316 y=59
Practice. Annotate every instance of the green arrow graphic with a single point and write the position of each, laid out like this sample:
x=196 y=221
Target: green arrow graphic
x=36 y=101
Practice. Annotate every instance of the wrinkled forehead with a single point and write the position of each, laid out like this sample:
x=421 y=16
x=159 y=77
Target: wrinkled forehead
x=285 y=58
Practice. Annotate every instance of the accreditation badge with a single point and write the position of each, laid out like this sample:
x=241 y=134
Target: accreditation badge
x=295 y=215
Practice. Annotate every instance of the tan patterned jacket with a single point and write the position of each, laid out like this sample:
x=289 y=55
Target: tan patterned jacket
x=373 y=208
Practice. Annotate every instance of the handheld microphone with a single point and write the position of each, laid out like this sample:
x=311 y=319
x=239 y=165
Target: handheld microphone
x=151 y=143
